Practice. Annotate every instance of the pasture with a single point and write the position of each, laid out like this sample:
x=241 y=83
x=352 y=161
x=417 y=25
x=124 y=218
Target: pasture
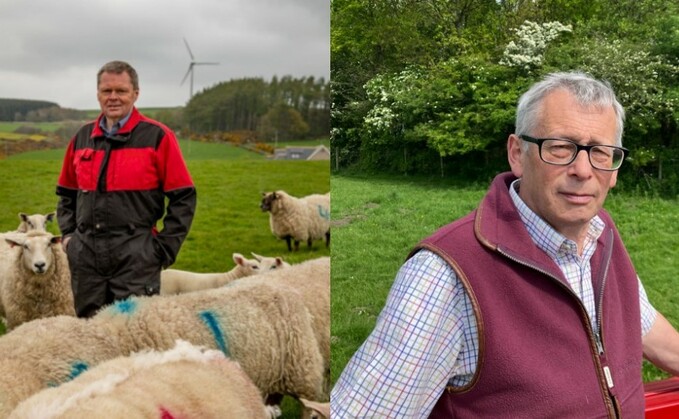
x=377 y=220
x=229 y=181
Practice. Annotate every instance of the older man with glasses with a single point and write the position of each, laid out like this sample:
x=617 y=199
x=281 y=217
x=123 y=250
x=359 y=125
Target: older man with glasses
x=530 y=305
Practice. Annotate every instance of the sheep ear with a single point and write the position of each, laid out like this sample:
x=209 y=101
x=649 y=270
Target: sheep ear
x=55 y=240
x=50 y=216
x=273 y=195
x=239 y=259
x=23 y=216
x=279 y=261
x=13 y=243
x=256 y=256
x=322 y=408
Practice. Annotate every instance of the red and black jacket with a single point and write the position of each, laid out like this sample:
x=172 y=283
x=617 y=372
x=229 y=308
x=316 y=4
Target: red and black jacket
x=121 y=181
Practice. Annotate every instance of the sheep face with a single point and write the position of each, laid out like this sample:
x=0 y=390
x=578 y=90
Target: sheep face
x=268 y=201
x=36 y=251
x=269 y=263
x=35 y=222
x=246 y=266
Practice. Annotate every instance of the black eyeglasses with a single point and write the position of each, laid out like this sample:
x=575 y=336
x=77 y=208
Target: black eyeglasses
x=563 y=152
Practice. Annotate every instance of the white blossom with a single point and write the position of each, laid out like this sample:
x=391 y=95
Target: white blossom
x=528 y=51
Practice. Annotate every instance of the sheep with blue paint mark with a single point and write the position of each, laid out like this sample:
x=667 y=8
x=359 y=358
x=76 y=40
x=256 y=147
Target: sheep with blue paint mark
x=298 y=219
x=267 y=328
x=186 y=381
x=47 y=352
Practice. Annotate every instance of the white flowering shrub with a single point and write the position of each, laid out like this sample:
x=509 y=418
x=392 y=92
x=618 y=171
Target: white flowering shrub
x=528 y=52
x=388 y=95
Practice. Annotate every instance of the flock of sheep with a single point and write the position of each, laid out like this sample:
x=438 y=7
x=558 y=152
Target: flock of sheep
x=210 y=345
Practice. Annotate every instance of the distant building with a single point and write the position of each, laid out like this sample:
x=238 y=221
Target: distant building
x=319 y=152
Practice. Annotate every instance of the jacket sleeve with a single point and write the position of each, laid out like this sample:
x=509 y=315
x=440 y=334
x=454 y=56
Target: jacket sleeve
x=67 y=191
x=181 y=193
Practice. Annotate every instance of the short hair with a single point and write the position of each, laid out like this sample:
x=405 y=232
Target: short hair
x=119 y=67
x=586 y=90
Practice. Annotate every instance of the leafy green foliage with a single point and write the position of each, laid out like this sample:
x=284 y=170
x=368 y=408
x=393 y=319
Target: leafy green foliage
x=419 y=81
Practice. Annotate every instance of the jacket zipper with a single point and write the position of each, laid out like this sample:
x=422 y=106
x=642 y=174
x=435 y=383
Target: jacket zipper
x=603 y=371
x=600 y=306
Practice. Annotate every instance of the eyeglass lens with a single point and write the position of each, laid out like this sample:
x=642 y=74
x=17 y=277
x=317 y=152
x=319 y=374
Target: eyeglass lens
x=564 y=152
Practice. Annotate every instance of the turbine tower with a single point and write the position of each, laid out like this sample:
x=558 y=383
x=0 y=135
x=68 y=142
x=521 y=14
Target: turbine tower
x=191 y=65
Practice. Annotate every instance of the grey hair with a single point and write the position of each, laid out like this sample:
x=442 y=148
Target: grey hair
x=119 y=67
x=586 y=90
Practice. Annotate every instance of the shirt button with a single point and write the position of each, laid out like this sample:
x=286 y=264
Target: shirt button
x=98 y=226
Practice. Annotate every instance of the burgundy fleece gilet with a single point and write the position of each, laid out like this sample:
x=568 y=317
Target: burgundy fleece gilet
x=538 y=355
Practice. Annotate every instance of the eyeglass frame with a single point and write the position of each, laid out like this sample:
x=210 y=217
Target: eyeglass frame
x=578 y=149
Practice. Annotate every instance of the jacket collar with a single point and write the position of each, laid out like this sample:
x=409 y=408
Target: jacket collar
x=132 y=122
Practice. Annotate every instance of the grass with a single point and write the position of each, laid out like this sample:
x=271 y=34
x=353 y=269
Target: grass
x=6 y=126
x=227 y=220
x=377 y=220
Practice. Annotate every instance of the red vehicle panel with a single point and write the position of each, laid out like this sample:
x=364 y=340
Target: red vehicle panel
x=662 y=399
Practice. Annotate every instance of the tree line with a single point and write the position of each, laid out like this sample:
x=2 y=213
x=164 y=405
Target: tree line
x=18 y=110
x=430 y=86
x=281 y=109
x=284 y=108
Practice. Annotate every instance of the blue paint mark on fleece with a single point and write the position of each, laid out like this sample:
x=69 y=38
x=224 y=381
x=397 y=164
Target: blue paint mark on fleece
x=324 y=212
x=210 y=320
x=77 y=368
x=125 y=306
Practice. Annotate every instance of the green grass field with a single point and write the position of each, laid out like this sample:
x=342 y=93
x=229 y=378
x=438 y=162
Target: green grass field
x=229 y=182
x=377 y=220
x=42 y=126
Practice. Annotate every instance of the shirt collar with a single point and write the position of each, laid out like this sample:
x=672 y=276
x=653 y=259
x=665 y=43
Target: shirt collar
x=116 y=126
x=545 y=237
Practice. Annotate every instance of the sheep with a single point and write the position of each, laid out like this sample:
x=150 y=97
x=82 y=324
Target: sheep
x=313 y=286
x=36 y=280
x=174 y=281
x=37 y=222
x=267 y=329
x=298 y=219
x=315 y=410
x=47 y=352
x=186 y=381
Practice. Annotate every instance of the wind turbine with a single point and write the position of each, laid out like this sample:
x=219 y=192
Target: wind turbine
x=191 y=65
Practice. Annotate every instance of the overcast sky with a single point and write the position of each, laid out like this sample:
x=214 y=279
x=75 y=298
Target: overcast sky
x=52 y=50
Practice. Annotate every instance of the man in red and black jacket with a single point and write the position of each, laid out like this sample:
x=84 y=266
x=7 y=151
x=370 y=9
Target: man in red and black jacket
x=117 y=173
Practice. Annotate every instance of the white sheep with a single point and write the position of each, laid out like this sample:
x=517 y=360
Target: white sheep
x=298 y=219
x=47 y=352
x=37 y=222
x=35 y=278
x=312 y=283
x=175 y=281
x=315 y=410
x=267 y=329
x=185 y=381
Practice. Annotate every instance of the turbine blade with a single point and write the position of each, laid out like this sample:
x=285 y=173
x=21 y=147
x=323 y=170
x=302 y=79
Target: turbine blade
x=188 y=49
x=206 y=63
x=187 y=74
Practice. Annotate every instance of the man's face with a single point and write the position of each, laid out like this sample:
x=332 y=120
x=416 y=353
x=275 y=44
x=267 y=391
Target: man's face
x=116 y=95
x=567 y=197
